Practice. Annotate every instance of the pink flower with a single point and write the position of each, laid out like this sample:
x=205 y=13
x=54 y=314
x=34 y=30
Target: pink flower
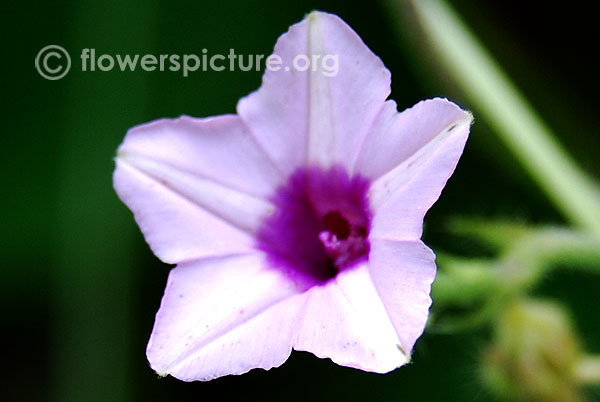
x=296 y=223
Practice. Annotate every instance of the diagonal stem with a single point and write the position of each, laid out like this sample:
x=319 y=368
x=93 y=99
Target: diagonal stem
x=512 y=117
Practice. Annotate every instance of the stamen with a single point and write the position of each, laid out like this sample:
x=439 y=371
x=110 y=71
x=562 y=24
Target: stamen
x=342 y=242
x=320 y=227
x=335 y=223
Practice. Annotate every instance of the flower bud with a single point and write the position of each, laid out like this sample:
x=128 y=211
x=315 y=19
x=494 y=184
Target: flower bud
x=533 y=355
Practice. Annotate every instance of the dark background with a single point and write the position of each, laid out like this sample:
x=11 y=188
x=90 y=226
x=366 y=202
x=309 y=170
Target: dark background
x=79 y=285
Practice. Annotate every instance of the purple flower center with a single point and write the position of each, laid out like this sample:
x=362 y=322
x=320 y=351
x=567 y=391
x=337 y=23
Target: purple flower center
x=320 y=226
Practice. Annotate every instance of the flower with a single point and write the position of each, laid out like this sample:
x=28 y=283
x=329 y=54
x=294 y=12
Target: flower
x=296 y=223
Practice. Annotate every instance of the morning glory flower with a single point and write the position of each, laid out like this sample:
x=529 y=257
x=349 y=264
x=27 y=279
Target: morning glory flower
x=295 y=223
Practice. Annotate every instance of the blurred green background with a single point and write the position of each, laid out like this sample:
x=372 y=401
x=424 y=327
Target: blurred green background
x=79 y=285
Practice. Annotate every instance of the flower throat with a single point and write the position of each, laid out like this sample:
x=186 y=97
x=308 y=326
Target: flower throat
x=320 y=226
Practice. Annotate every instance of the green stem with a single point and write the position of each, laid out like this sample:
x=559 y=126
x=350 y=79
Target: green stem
x=529 y=259
x=503 y=106
x=483 y=287
x=462 y=282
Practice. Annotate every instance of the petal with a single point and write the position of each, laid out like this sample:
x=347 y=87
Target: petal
x=196 y=186
x=402 y=273
x=317 y=116
x=219 y=148
x=345 y=320
x=208 y=326
x=402 y=194
x=394 y=137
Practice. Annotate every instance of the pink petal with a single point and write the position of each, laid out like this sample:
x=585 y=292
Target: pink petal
x=211 y=320
x=394 y=137
x=218 y=147
x=402 y=273
x=422 y=147
x=346 y=321
x=197 y=187
x=218 y=318
x=306 y=116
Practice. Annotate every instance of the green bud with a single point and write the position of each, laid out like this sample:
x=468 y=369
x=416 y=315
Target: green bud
x=534 y=354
